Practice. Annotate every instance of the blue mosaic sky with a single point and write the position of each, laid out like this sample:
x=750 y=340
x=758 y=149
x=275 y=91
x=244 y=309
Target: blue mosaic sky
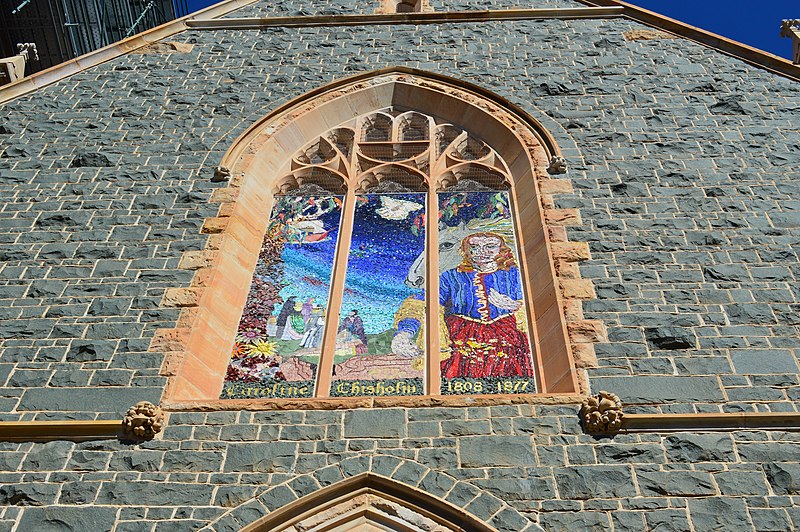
x=381 y=254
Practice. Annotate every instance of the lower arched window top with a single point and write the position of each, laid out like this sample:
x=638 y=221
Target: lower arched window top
x=390 y=267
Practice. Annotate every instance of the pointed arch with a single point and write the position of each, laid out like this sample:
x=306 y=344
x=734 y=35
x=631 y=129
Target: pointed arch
x=269 y=149
x=369 y=498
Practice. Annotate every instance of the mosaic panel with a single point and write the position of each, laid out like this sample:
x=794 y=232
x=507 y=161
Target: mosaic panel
x=377 y=352
x=485 y=345
x=279 y=339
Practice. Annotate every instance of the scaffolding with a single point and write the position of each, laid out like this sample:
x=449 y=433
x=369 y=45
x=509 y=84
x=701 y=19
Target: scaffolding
x=65 y=29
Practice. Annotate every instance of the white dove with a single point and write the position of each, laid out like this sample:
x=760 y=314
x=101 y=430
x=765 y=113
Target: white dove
x=396 y=209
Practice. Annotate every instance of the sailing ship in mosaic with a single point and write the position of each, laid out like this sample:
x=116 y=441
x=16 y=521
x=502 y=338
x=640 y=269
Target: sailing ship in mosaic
x=391 y=161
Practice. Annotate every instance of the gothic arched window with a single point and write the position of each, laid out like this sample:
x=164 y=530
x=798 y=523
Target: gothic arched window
x=387 y=235
x=389 y=268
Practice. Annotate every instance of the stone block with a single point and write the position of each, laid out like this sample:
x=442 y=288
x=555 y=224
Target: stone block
x=461 y=494
x=138 y=460
x=562 y=216
x=642 y=453
x=496 y=451
x=68 y=518
x=409 y=473
x=770 y=519
x=672 y=520
x=214 y=225
x=182 y=297
x=783 y=477
x=587 y=331
x=232 y=496
x=592 y=482
x=519 y=489
x=726 y=273
x=763 y=361
x=661 y=389
x=224 y=195
x=194 y=260
x=29 y=494
x=769 y=452
x=785 y=219
x=675 y=483
x=718 y=513
x=671 y=338
x=263 y=457
x=155 y=494
x=277 y=497
x=560 y=521
x=692 y=448
x=555 y=186
x=304 y=485
x=576 y=288
x=741 y=483
x=78 y=492
x=484 y=506
x=302 y=432
x=108 y=399
x=50 y=456
x=192 y=461
x=570 y=251
x=584 y=356
x=437 y=484
x=88 y=460
x=379 y=423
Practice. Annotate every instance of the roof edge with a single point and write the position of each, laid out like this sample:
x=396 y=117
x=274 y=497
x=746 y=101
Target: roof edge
x=754 y=56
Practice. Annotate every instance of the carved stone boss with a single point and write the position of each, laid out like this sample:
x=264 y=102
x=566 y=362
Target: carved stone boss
x=143 y=420
x=602 y=413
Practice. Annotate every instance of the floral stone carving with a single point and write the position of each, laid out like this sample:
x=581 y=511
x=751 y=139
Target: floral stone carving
x=602 y=413
x=143 y=420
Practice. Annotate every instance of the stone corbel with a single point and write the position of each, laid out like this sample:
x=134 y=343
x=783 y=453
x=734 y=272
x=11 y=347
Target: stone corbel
x=222 y=174
x=791 y=28
x=558 y=165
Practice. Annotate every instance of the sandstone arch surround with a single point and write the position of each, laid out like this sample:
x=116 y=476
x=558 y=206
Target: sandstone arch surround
x=197 y=350
x=380 y=489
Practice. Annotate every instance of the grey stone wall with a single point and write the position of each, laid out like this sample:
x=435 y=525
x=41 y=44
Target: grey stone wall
x=518 y=468
x=684 y=163
x=344 y=7
x=292 y=8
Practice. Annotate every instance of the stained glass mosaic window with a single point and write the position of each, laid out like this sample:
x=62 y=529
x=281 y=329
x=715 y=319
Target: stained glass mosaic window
x=278 y=343
x=388 y=241
x=481 y=296
x=390 y=267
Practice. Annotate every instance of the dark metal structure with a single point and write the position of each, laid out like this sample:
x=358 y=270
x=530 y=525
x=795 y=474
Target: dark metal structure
x=65 y=29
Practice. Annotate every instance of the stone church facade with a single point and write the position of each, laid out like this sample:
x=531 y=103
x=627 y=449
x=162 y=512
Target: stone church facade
x=652 y=171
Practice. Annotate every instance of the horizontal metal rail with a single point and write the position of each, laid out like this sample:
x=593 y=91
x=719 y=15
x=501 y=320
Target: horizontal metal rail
x=405 y=18
x=727 y=421
x=60 y=430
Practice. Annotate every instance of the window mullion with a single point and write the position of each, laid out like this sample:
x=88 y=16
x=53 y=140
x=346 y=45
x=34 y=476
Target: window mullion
x=325 y=374
x=432 y=340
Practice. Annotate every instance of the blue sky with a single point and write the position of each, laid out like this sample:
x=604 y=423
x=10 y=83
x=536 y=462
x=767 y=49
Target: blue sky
x=756 y=23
